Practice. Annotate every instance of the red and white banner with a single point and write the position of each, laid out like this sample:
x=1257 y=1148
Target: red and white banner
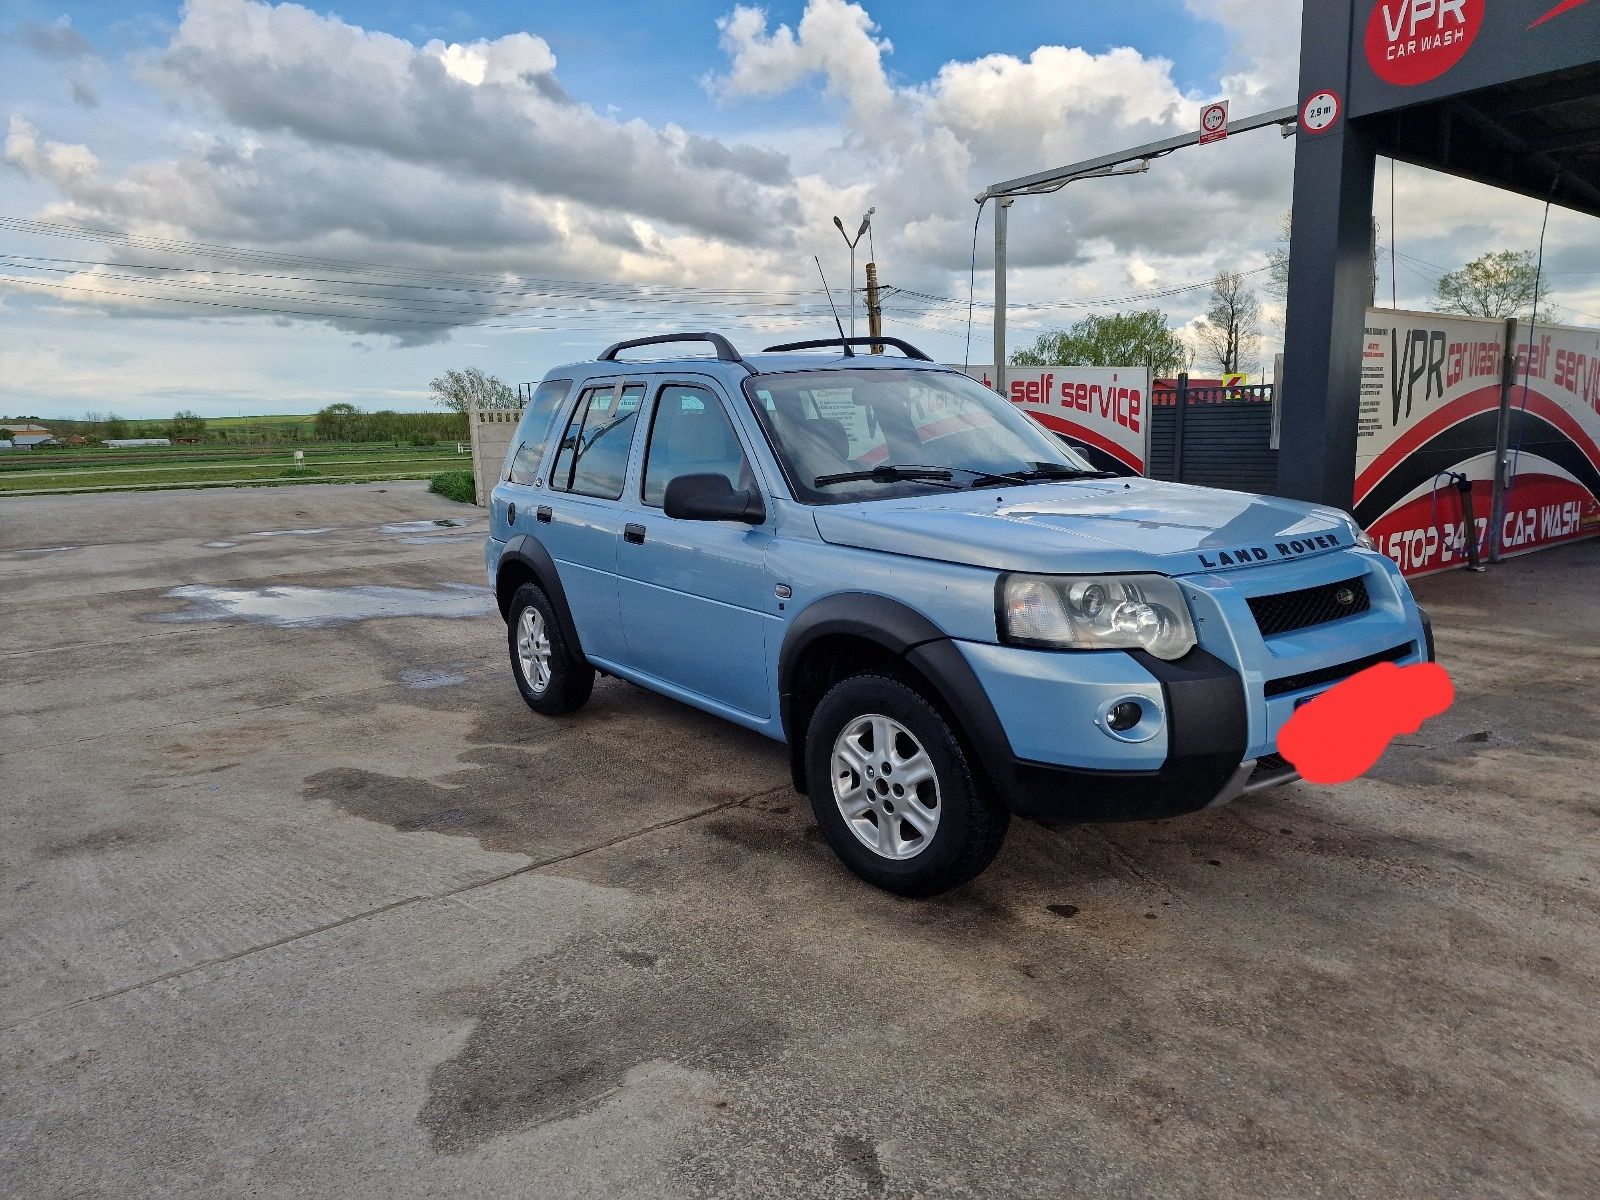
x=1106 y=409
x=1430 y=404
x=1553 y=470
x=1431 y=399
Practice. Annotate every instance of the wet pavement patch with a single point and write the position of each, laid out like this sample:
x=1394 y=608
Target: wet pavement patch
x=425 y=679
x=219 y=545
x=294 y=532
x=32 y=551
x=540 y=1050
x=294 y=607
x=102 y=841
x=437 y=523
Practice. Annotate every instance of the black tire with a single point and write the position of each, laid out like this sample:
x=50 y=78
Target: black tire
x=971 y=822
x=571 y=677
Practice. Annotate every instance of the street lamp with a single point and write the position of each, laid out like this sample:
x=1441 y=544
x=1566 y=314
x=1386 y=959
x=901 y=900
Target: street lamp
x=866 y=224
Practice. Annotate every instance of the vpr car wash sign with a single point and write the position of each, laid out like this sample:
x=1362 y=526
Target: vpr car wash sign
x=1433 y=395
x=1413 y=41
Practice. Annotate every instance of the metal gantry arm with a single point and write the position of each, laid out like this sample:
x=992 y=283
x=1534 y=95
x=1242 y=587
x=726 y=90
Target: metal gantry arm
x=1125 y=162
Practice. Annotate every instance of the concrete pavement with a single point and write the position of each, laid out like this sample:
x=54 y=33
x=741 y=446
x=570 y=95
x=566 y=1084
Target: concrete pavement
x=301 y=900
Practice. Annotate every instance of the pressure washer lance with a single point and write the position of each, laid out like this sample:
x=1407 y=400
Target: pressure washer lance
x=1463 y=487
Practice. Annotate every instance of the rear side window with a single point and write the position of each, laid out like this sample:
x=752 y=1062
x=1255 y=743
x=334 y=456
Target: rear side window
x=523 y=467
x=593 y=459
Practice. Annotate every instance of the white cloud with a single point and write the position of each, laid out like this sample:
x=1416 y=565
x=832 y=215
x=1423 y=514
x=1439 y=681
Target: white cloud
x=68 y=167
x=834 y=39
x=1264 y=38
x=491 y=110
x=291 y=131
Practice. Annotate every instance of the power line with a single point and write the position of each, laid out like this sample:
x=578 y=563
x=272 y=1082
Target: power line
x=711 y=298
x=417 y=305
x=424 y=299
x=320 y=315
x=1076 y=302
x=292 y=261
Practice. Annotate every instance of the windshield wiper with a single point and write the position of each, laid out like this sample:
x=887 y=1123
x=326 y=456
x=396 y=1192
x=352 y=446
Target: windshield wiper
x=1041 y=472
x=938 y=476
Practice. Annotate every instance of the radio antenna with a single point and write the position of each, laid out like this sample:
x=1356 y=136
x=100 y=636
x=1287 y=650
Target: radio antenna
x=848 y=353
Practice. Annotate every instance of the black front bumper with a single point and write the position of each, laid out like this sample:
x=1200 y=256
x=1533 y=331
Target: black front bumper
x=1207 y=733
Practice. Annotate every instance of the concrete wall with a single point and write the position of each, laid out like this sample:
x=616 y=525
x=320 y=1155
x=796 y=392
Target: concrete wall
x=492 y=430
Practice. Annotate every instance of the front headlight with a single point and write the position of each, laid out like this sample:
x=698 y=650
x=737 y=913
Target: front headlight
x=1096 y=612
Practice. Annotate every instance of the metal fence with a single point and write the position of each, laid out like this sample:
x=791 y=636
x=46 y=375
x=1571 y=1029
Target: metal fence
x=1214 y=436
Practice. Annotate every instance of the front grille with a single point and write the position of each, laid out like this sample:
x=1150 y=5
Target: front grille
x=1270 y=770
x=1269 y=764
x=1311 y=679
x=1310 y=606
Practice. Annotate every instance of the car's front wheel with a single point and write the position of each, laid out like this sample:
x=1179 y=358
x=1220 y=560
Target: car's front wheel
x=552 y=677
x=893 y=792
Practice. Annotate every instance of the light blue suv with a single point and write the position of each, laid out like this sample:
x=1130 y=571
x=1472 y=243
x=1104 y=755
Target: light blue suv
x=946 y=614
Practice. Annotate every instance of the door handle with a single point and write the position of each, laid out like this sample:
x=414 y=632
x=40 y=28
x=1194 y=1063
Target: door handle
x=633 y=533
x=542 y=513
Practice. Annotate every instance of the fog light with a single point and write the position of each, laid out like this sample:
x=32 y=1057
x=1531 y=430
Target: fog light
x=1124 y=716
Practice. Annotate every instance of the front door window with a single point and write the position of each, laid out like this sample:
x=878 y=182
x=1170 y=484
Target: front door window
x=690 y=434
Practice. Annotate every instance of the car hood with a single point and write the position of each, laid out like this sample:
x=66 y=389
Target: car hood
x=1092 y=526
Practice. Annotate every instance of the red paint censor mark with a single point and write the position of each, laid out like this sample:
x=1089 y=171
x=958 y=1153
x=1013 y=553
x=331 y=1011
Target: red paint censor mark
x=1339 y=735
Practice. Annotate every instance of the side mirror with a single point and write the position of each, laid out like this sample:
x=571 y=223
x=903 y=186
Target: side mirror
x=712 y=498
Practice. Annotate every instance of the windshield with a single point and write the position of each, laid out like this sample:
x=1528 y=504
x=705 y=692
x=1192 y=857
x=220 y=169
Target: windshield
x=904 y=432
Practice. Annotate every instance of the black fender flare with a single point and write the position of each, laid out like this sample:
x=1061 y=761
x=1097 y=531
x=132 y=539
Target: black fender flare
x=908 y=635
x=529 y=552
x=1427 y=634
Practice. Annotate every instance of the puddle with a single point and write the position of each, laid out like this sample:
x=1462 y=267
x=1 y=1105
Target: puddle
x=292 y=607
x=293 y=532
x=42 y=550
x=219 y=545
x=422 y=526
x=436 y=539
x=423 y=679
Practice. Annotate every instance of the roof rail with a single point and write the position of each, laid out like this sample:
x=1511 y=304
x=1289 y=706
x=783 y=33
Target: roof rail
x=904 y=347
x=724 y=348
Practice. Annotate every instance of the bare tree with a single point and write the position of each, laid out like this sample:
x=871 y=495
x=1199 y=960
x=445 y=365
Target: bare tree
x=1230 y=331
x=459 y=391
x=1278 y=260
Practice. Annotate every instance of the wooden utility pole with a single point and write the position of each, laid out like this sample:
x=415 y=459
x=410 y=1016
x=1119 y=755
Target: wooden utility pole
x=874 y=312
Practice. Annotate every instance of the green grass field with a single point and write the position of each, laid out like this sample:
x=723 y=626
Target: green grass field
x=91 y=468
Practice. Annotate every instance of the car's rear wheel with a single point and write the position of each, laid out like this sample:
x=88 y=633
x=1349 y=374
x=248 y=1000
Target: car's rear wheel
x=552 y=678
x=893 y=792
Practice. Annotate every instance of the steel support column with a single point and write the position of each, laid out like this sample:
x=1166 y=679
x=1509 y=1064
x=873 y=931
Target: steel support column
x=1330 y=280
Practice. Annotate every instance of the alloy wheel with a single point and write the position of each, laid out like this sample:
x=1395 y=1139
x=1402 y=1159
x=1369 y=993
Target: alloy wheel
x=533 y=649
x=886 y=787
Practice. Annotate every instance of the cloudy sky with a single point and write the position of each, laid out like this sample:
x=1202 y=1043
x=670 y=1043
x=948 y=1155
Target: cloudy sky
x=294 y=205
